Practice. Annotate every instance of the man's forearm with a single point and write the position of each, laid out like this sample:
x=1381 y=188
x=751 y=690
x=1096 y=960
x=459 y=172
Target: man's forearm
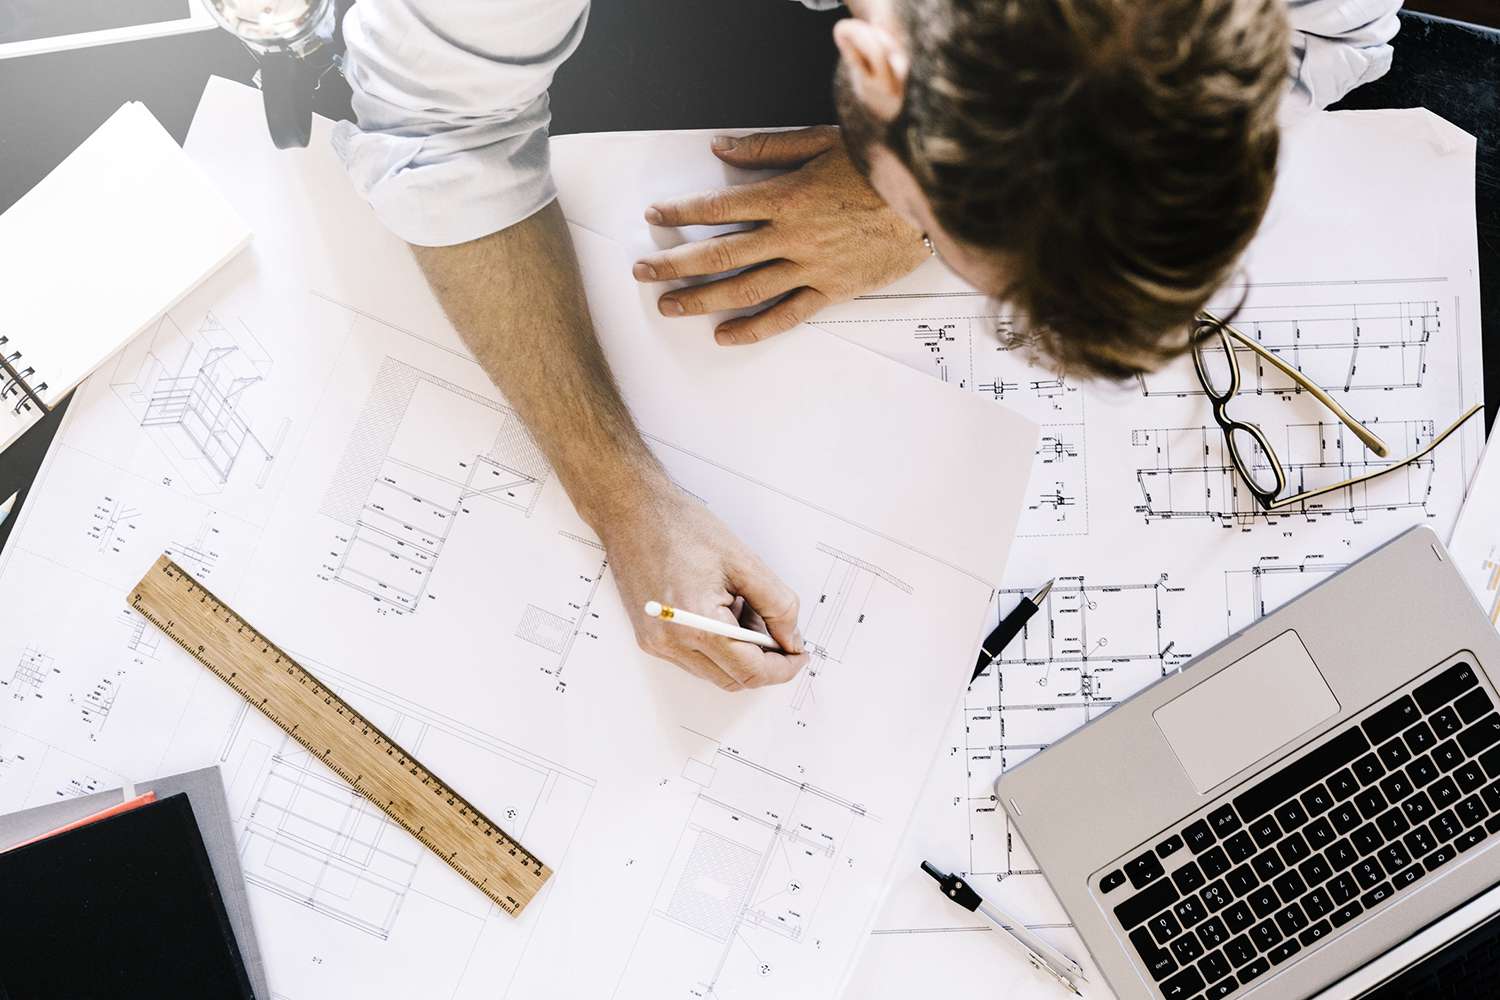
x=517 y=300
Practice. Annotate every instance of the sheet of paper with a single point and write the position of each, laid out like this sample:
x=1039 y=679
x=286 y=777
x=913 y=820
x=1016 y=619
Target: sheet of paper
x=1364 y=276
x=374 y=505
x=1476 y=537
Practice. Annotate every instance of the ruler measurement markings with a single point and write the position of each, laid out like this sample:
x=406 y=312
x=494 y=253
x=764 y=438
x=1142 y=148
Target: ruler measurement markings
x=521 y=872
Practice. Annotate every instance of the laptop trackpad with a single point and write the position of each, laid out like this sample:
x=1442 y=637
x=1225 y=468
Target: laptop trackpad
x=1258 y=703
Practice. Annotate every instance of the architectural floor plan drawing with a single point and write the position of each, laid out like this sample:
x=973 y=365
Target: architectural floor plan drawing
x=189 y=395
x=1353 y=345
x=425 y=453
x=411 y=547
x=1250 y=594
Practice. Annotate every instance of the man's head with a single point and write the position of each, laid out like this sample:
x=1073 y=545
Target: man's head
x=1099 y=164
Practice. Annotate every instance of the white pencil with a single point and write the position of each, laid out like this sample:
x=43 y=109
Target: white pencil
x=655 y=609
x=6 y=507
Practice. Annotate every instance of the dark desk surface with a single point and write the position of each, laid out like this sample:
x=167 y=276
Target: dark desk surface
x=660 y=64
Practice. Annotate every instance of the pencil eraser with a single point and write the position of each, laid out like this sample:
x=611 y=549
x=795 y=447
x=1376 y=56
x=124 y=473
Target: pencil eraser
x=653 y=609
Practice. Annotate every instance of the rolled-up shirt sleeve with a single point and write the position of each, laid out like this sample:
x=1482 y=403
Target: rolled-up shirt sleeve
x=1338 y=45
x=450 y=98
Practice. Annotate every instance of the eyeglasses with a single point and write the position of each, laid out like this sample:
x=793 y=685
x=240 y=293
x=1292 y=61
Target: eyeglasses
x=1215 y=356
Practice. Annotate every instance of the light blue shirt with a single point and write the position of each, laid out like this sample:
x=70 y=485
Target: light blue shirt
x=451 y=99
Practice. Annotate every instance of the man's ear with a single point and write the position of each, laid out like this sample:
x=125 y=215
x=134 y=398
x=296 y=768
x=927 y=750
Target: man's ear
x=877 y=63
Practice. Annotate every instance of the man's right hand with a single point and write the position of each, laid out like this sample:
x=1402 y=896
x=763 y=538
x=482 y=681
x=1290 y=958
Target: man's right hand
x=669 y=548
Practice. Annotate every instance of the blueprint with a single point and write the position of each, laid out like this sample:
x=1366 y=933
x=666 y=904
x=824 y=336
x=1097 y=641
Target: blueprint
x=1132 y=505
x=307 y=436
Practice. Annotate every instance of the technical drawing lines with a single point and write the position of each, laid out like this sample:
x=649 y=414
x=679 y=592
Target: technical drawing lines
x=95 y=702
x=1250 y=594
x=1379 y=346
x=189 y=393
x=423 y=453
x=756 y=855
x=111 y=523
x=836 y=615
x=1058 y=504
x=33 y=670
x=558 y=631
x=1089 y=647
x=1186 y=473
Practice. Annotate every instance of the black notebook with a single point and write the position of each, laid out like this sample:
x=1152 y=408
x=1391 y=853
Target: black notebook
x=124 y=908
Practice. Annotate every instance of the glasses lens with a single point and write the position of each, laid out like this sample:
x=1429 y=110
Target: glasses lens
x=1258 y=467
x=1216 y=363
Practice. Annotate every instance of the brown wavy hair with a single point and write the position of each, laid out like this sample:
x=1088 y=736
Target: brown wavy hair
x=1116 y=156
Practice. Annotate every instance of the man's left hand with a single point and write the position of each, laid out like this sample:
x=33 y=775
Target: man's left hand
x=822 y=235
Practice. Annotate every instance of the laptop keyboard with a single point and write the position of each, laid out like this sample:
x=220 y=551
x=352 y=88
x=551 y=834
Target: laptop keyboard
x=1279 y=867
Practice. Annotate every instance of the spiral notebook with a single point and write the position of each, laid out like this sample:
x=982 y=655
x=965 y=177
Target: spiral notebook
x=115 y=236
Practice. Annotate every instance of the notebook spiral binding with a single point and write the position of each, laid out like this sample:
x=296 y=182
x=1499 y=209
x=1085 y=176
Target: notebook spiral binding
x=14 y=382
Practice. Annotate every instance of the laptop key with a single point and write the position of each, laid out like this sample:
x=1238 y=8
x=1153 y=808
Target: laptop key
x=1368 y=874
x=1317 y=800
x=1445 y=826
x=1224 y=820
x=1438 y=858
x=1268 y=864
x=1110 y=881
x=1345 y=818
x=1215 y=897
x=1190 y=911
x=1469 y=776
x=1341 y=854
x=1317 y=903
x=1164 y=927
x=1198 y=836
x=1445 y=686
x=1291 y=919
x=1319 y=834
x=1266 y=831
x=1240 y=950
x=1212 y=932
x=1490 y=761
x=1445 y=722
x=1157 y=960
x=1169 y=847
x=1221 y=989
x=1471 y=811
x=1283 y=951
x=1369 y=802
x=1393 y=753
x=1290 y=815
x=1315 y=933
x=1482 y=734
x=1264 y=901
x=1392 y=824
x=1391 y=720
x=1473 y=705
x=1315 y=870
x=1422 y=771
x=1239 y=917
x=1469 y=838
x=1140 y=906
x=1444 y=792
x=1342 y=783
x=1185 y=984
x=1345 y=913
x=1242 y=880
x=1446 y=755
x=1189 y=877
x=1368 y=768
x=1395 y=786
x=1491 y=796
x=1214 y=862
x=1407 y=876
x=1294 y=849
x=1377 y=895
x=1343 y=889
x=1144 y=870
x=1186 y=949
x=1296 y=777
x=1252 y=970
x=1239 y=847
x=1214 y=966
x=1419 y=842
x=1393 y=858
x=1419 y=738
x=1418 y=808
x=1265 y=935
x=1366 y=839
x=1289 y=885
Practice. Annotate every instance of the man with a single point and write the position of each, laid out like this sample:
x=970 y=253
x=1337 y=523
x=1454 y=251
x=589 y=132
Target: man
x=1100 y=164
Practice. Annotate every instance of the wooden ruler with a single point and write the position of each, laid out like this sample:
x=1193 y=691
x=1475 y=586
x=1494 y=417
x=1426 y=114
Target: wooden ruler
x=340 y=737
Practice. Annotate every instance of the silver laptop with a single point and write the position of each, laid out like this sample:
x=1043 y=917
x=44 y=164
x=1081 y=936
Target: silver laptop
x=1314 y=799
